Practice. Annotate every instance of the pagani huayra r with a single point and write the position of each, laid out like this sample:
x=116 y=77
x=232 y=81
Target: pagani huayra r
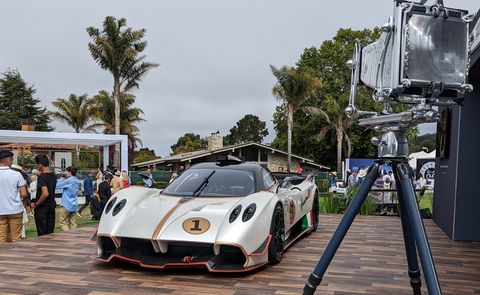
x=226 y=216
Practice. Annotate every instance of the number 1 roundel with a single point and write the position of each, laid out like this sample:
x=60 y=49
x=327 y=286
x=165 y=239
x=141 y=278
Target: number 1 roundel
x=196 y=225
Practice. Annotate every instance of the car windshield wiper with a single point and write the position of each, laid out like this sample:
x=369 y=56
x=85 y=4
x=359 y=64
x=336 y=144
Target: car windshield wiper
x=202 y=185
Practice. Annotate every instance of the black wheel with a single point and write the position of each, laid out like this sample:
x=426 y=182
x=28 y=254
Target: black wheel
x=277 y=230
x=315 y=212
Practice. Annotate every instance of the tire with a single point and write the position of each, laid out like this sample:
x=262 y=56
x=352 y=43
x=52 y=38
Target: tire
x=315 y=212
x=277 y=230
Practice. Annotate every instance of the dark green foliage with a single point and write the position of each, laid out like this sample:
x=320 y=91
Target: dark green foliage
x=103 y=111
x=304 y=141
x=428 y=141
x=331 y=203
x=143 y=155
x=17 y=103
x=369 y=206
x=188 y=143
x=313 y=135
x=87 y=160
x=249 y=128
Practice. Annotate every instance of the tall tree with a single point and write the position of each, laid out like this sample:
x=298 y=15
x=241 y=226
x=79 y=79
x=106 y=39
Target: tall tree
x=17 y=103
x=328 y=64
x=103 y=110
x=249 y=128
x=293 y=88
x=333 y=112
x=304 y=142
x=117 y=49
x=187 y=143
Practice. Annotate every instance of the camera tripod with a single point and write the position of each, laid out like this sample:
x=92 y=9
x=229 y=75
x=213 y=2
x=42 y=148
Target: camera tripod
x=414 y=234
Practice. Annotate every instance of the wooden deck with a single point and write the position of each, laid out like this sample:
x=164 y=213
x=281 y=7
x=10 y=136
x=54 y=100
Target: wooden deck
x=370 y=261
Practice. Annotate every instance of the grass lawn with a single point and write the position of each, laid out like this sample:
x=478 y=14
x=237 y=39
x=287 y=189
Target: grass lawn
x=84 y=220
x=426 y=201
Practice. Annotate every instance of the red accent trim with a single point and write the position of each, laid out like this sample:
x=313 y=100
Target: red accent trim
x=174 y=264
x=264 y=250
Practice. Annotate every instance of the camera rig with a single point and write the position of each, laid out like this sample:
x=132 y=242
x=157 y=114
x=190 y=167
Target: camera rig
x=421 y=60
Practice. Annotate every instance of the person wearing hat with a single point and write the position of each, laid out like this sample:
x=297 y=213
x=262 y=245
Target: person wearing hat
x=12 y=191
x=362 y=172
x=333 y=179
x=116 y=182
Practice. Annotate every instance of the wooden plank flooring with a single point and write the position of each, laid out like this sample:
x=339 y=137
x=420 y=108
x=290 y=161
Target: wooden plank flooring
x=370 y=261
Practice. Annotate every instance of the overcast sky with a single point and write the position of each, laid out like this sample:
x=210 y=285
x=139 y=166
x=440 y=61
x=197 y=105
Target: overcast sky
x=214 y=54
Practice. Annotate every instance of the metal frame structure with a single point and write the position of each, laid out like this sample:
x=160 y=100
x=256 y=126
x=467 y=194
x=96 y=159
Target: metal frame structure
x=89 y=139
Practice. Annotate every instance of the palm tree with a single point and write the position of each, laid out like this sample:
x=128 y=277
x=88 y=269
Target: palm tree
x=117 y=49
x=293 y=88
x=75 y=111
x=129 y=115
x=333 y=111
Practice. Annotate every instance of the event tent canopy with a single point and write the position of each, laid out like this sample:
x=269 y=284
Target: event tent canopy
x=412 y=158
x=88 y=139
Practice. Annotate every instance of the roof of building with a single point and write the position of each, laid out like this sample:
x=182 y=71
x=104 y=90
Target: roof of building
x=184 y=157
x=39 y=146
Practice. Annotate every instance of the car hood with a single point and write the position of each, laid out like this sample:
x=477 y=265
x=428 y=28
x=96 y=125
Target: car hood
x=162 y=217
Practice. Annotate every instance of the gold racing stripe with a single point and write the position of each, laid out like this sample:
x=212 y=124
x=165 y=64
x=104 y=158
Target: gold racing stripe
x=166 y=217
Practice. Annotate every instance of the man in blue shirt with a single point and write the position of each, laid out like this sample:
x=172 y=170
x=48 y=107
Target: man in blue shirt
x=69 y=202
x=87 y=192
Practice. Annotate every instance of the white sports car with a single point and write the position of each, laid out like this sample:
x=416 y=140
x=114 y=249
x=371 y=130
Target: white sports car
x=226 y=216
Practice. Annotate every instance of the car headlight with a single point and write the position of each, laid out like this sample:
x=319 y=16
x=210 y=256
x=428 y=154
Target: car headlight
x=110 y=205
x=249 y=211
x=119 y=207
x=235 y=213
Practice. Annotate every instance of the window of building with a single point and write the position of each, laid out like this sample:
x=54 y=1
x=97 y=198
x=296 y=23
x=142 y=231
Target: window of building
x=263 y=155
x=250 y=154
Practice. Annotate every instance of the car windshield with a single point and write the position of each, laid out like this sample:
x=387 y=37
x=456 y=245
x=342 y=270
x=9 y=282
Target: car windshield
x=224 y=182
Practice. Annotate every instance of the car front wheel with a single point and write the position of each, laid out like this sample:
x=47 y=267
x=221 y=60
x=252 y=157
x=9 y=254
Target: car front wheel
x=277 y=230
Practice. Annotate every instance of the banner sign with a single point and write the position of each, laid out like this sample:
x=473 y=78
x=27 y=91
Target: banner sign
x=426 y=167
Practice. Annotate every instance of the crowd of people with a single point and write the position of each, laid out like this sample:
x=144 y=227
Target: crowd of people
x=23 y=195
x=32 y=194
x=356 y=176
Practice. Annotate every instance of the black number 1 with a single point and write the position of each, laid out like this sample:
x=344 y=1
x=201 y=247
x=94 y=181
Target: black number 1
x=196 y=226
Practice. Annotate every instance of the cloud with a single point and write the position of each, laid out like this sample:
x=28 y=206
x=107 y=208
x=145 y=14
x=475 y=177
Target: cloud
x=214 y=55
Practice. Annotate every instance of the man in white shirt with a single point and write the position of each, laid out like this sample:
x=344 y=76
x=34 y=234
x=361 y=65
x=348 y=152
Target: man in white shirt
x=12 y=191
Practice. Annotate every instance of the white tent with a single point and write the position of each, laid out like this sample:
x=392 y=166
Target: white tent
x=412 y=158
x=90 y=139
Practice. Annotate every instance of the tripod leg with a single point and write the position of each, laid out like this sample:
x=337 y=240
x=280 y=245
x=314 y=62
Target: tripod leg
x=409 y=240
x=337 y=238
x=418 y=229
